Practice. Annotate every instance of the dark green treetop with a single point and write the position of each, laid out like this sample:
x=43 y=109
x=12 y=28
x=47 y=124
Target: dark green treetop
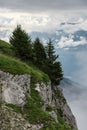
x=50 y=50
x=39 y=51
x=53 y=67
x=22 y=42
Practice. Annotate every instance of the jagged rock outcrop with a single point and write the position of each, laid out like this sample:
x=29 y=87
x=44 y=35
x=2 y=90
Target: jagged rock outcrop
x=61 y=104
x=14 y=88
x=56 y=99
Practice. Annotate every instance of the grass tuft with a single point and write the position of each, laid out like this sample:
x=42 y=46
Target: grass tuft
x=14 y=66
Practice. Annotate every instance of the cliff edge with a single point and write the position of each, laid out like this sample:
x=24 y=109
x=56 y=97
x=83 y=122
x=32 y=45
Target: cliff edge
x=29 y=105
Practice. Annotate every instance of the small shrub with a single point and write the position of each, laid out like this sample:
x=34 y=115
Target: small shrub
x=49 y=108
x=15 y=108
x=35 y=114
x=56 y=126
x=36 y=97
x=0 y=104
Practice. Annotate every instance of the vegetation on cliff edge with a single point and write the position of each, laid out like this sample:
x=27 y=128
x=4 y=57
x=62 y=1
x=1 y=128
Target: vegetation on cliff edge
x=15 y=66
x=24 y=56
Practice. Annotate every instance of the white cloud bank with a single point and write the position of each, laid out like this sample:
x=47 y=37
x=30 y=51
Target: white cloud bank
x=69 y=42
x=69 y=22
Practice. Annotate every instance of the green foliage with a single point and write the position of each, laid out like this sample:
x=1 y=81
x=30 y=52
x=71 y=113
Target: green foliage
x=52 y=125
x=15 y=108
x=51 y=52
x=57 y=74
x=43 y=58
x=7 y=49
x=36 y=97
x=39 y=51
x=32 y=110
x=61 y=125
x=15 y=66
x=59 y=116
x=0 y=103
x=60 y=96
x=39 y=76
x=56 y=126
x=35 y=114
x=22 y=43
x=53 y=68
x=49 y=108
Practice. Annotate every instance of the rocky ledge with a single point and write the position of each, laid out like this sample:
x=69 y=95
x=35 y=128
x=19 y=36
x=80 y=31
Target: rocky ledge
x=15 y=88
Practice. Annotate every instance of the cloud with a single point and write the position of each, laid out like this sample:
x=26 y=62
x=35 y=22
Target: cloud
x=46 y=5
x=81 y=73
x=69 y=42
x=79 y=109
x=73 y=23
x=75 y=64
x=30 y=22
x=76 y=95
x=60 y=24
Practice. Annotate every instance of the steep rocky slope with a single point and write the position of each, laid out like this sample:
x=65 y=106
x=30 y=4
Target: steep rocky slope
x=27 y=105
x=27 y=100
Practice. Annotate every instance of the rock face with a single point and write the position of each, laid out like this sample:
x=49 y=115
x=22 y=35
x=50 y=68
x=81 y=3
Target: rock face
x=56 y=99
x=10 y=120
x=14 y=88
x=61 y=104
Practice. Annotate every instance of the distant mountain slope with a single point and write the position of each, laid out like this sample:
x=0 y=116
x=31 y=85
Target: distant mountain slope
x=71 y=89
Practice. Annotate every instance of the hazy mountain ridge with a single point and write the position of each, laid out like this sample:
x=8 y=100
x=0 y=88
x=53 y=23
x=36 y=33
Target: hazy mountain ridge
x=71 y=89
x=76 y=95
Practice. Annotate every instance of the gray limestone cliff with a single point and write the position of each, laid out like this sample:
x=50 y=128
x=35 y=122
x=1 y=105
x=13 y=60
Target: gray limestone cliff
x=15 y=88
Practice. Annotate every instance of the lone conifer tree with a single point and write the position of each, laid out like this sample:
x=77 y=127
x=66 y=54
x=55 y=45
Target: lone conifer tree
x=22 y=43
x=51 y=52
x=53 y=67
x=40 y=54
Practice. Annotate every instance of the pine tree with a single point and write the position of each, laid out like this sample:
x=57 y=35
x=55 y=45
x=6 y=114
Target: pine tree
x=51 y=52
x=53 y=67
x=22 y=43
x=56 y=73
x=39 y=51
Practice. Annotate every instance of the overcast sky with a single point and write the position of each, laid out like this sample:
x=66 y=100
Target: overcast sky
x=43 y=5
x=42 y=15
